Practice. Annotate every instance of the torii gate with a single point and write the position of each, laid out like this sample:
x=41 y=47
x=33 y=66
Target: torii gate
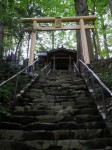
x=58 y=26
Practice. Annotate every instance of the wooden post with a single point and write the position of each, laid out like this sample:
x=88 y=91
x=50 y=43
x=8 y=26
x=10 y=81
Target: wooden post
x=32 y=48
x=69 y=67
x=84 y=42
x=52 y=39
x=54 y=65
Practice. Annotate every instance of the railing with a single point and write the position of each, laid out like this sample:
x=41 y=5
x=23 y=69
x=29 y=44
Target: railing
x=46 y=69
x=21 y=81
x=98 y=89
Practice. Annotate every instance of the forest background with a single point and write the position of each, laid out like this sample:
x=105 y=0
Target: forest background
x=14 y=39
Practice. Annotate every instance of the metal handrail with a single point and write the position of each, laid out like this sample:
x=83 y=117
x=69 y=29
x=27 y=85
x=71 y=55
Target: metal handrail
x=46 y=70
x=45 y=67
x=96 y=77
x=76 y=70
x=91 y=83
x=17 y=73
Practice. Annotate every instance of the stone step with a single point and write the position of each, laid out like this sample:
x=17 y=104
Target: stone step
x=64 y=126
x=81 y=134
x=57 y=109
x=46 y=98
x=37 y=103
x=66 y=117
x=91 y=111
x=52 y=117
x=23 y=120
x=87 y=118
x=52 y=126
x=84 y=105
x=71 y=144
x=57 y=93
x=10 y=125
x=67 y=97
x=34 y=113
x=63 y=101
x=47 y=105
x=77 y=80
x=65 y=134
x=13 y=145
x=79 y=97
x=74 y=87
x=58 y=85
x=33 y=95
x=64 y=80
x=97 y=143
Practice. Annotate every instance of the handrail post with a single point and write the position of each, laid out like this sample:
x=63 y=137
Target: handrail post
x=93 y=86
x=54 y=63
x=103 y=100
x=16 y=87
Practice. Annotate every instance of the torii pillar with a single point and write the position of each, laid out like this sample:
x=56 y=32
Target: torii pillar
x=32 y=48
x=84 y=42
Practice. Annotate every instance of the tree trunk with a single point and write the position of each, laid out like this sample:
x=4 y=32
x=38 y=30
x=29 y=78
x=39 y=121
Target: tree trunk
x=105 y=44
x=95 y=45
x=82 y=10
x=98 y=42
x=110 y=5
x=104 y=27
x=1 y=42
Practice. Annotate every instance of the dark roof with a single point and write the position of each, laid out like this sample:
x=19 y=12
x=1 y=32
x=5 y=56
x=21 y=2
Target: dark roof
x=42 y=53
x=62 y=49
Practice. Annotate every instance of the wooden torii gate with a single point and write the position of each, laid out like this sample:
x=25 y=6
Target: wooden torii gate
x=58 y=26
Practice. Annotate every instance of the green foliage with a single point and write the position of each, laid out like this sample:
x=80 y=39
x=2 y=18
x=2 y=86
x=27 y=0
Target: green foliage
x=5 y=100
x=106 y=77
x=103 y=53
x=7 y=70
x=7 y=91
x=57 y=8
x=4 y=111
x=12 y=11
x=97 y=92
x=6 y=94
x=103 y=24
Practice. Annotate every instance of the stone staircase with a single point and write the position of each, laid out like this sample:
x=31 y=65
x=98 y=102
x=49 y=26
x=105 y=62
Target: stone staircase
x=56 y=113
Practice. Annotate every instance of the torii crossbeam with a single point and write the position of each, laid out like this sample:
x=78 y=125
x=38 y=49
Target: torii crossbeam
x=58 y=26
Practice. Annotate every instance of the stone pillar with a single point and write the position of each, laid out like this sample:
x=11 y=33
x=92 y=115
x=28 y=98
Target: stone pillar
x=84 y=42
x=32 y=48
x=54 y=63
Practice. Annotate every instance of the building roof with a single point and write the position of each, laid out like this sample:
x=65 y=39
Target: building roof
x=45 y=53
x=42 y=53
x=62 y=49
